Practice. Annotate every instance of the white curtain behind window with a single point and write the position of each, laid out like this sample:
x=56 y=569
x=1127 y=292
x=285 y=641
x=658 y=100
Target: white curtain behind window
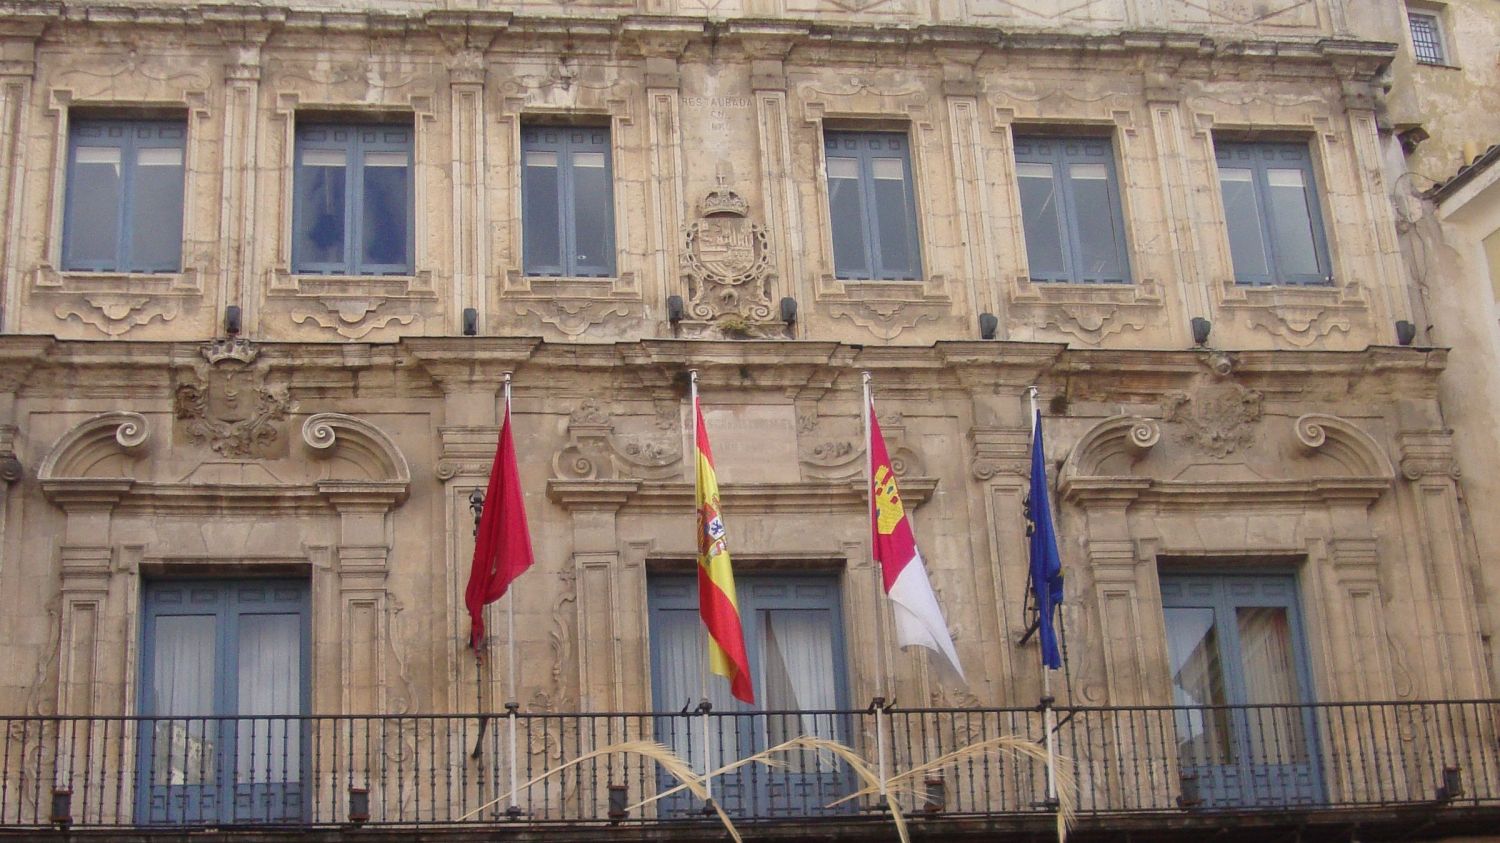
x=182 y=685
x=1270 y=672
x=270 y=671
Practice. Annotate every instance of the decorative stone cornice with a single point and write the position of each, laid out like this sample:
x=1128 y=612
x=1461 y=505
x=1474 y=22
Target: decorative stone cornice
x=658 y=496
x=994 y=451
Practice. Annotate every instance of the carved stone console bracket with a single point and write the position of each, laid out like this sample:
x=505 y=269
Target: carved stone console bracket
x=596 y=452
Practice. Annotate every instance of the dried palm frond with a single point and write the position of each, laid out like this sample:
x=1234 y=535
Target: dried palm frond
x=670 y=761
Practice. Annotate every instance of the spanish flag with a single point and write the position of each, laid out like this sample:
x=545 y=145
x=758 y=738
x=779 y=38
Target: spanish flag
x=716 y=601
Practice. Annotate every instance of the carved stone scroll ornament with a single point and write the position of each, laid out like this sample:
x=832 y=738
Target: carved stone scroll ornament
x=596 y=452
x=228 y=405
x=726 y=265
x=832 y=456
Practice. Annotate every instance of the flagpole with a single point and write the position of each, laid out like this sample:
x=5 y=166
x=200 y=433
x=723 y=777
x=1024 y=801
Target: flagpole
x=878 y=702
x=704 y=706
x=512 y=705
x=1049 y=714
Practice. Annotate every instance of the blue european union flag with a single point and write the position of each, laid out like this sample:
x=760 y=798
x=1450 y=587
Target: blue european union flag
x=1046 y=565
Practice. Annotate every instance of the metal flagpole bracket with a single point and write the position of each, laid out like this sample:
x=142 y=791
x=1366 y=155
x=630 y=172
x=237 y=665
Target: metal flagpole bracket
x=880 y=704
x=704 y=706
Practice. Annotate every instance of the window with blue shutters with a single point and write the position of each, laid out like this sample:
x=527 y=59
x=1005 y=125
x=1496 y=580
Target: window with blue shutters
x=224 y=684
x=353 y=206
x=1070 y=210
x=872 y=206
x=1272 y=211
x=124 y=196
x=567 y=201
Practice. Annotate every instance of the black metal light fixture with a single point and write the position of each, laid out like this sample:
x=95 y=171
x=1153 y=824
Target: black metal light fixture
x=674 y=309
x=1453 y=784
x=1201 y=327
x=1405 y=332
x=233 y=320
x=937 y=794
x=471 y=322
x=359 y=805
x=788 y=310
x=989 y=325
x=618 y=801
x=62 y=807
x=1188 y=794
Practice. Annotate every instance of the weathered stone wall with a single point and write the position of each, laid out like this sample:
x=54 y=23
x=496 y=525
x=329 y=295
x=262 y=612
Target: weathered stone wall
x=1313 y=446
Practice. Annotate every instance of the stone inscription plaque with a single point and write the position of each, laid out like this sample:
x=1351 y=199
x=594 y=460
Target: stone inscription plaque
x=753 y=444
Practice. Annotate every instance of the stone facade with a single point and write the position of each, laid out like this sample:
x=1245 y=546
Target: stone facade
x=338 y=436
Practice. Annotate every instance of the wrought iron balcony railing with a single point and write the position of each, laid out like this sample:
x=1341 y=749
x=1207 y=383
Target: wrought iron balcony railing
x=455 y=769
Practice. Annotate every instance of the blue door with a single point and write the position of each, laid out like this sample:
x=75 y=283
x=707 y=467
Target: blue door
x=223 y=681
x=1239 y=673
x=794 y=638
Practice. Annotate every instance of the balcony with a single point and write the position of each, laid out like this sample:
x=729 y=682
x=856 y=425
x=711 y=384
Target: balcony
x=1421 y=767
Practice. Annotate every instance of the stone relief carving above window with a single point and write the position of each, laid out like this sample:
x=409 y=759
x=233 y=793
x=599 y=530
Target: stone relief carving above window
x=228 y=404
x=1216 y=419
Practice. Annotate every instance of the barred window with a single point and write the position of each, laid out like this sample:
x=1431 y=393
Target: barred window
x=1426 y=38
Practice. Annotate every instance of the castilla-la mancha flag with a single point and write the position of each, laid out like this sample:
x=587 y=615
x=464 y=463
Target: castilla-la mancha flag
x=716 y=601
x=502 y=544
x=919 y=620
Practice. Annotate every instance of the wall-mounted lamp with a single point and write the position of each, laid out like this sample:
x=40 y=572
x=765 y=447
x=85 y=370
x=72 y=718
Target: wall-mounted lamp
x=471 y=322
x=618 y=802
x=1201 y=327
x=1405 y=332
x=788 y=310
x=989 y=324
x=1189 y=796
x=232 y=320
x=62 y=807
x=1453 y=784
x=937 y=795
x=359 y=805
x=674 y=309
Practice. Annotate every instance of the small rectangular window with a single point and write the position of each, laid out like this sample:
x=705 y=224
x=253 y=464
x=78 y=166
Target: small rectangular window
x=567 y=201
x=353 y=200
x=1271 y=207
x=1070 y=210
x=1427 y=38
x=873 y=206
x=123 y=208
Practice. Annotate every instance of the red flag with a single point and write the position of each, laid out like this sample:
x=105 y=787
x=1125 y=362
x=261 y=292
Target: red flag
x=919 y=619
x=502 y=546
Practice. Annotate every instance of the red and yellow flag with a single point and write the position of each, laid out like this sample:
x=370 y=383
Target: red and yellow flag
x=716 y=601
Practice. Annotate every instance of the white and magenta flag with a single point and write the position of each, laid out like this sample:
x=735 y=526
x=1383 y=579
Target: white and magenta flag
x=919 y=620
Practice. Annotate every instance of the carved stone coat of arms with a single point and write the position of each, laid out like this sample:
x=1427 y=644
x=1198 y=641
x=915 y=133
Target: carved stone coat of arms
x=726 y=263
x=228 y=405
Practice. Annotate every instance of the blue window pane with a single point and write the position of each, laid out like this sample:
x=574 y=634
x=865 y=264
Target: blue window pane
x=846 y=206
x=320 y=223
x=94 y=199
x=592 y=215
x=384 y=232
x=1246 y=239
x=1099 y=233
x=156 y=230
x=123 y=209
x=1291 y=222
x=1040 y=219
x=540 y=218
x=896 y=223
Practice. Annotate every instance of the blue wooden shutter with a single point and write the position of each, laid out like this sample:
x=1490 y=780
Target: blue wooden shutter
x=124 y=197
